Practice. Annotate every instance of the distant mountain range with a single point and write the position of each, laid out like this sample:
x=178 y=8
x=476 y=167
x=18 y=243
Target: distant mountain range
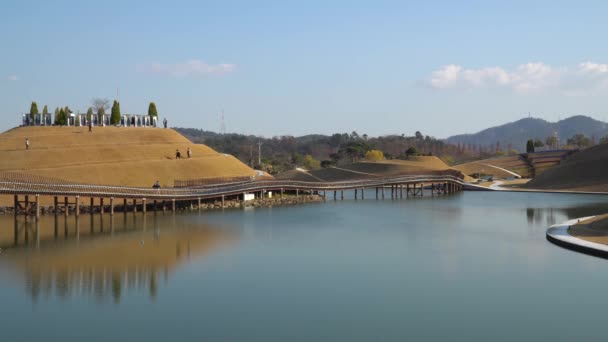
x=517 y=133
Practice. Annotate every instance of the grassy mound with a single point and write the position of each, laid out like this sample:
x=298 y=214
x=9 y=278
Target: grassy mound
x=366 y=169
x=586 y=170
x=112 y=155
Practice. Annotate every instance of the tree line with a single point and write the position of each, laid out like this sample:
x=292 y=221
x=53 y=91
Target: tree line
x=283 y=153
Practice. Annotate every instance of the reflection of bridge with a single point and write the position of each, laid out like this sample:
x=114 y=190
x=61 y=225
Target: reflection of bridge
x=104 y=256
x=412 y=185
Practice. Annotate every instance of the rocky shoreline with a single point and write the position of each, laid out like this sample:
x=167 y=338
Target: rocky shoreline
x=181 y=205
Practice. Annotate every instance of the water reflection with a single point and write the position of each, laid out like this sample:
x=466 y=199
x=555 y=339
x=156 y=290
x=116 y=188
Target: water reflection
x=550 y=216
x=102 y=256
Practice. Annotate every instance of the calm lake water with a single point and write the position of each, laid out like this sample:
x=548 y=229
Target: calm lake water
x=467 y=267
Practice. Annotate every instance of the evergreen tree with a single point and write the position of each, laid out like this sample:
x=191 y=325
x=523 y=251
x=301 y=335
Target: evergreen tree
x=152 y=109
x=33 y=108
x=89 y=113
x=115 y=116
x=45 y=110
x=61 y=117
x=530 y=146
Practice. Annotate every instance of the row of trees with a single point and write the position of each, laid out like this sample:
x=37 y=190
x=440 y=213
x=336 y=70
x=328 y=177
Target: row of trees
x=576 y=141
x=283 y=153
x=98 y=107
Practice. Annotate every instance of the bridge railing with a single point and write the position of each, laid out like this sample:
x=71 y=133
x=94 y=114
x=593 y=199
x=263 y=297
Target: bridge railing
x=20 y=187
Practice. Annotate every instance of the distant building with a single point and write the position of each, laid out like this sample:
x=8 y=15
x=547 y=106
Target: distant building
x=36 y=120
x=138 y=120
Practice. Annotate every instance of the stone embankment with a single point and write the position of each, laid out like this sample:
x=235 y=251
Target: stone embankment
x=182 y=205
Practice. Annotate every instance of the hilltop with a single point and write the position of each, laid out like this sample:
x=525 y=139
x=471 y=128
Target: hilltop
x=517 y=133
x=126 y=156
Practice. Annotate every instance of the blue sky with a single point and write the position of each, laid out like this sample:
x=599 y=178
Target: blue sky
x=287 y=67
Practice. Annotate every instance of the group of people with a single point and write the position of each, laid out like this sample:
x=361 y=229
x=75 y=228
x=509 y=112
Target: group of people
x=178 y=154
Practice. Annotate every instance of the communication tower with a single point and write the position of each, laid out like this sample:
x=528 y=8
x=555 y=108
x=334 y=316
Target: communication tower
x=222 y=124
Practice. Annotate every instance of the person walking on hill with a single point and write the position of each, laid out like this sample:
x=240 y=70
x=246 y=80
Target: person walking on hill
x=27 y=143
x=90 y=125
x=165 y=122
x=178 y=154
x=189 y=153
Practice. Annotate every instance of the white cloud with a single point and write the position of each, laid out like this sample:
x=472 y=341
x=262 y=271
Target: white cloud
x=529 y=77
x=188 y=68
x=12 y=78
x=590 y=67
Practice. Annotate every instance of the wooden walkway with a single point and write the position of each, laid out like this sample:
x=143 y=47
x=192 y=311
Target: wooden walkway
x=27 y=194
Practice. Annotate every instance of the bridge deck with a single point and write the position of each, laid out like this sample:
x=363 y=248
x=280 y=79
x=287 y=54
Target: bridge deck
x=210 y=191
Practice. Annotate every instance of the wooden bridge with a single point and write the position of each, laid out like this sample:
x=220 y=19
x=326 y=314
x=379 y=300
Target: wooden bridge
x=27 y=193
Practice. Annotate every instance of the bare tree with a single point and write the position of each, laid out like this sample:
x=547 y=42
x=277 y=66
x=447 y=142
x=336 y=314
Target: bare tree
x=100 y=104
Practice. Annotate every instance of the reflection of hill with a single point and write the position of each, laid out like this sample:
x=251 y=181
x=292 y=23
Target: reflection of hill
x=105 y=265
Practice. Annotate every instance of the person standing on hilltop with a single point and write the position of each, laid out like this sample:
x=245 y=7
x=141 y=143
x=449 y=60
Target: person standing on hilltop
x=165 y=122
x=189 y=153
x=27 y=143
x=178 y=154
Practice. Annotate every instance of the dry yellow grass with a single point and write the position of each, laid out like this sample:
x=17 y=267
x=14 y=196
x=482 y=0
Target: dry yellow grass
x=112 y=156
x=594 y=229
x=477 y=167
x=366 y=169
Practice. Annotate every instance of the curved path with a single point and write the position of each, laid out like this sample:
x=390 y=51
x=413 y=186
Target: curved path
x=559 y=235
x=213 y=191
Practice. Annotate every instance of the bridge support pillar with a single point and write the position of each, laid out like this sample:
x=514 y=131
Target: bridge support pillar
x=143 y=205
x=26 y=211
x=297 y=193
x=282 y=190
x=134 y=205
x=37 y=209
x=401 y=191
x=65 y=201
x=355 y=193
x=173 y=204
x=362 y=194
x=376 y=192
x=124 y=205
x=77 y=204
x=16 y=210
x=55 y=203
x=91 y=208
x=341 y=195
x=199 y=203
x=101 y=205
x=383 y=192
x=335 y=195
x=223 y=200
x=111 y=206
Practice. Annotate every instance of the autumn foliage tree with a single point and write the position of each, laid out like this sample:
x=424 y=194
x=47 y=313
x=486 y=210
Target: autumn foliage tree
x=374 y=155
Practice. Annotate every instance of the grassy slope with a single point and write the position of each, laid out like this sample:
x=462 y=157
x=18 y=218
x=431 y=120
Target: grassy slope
x=111 y=155
x=586 y=170
x=366 y=169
